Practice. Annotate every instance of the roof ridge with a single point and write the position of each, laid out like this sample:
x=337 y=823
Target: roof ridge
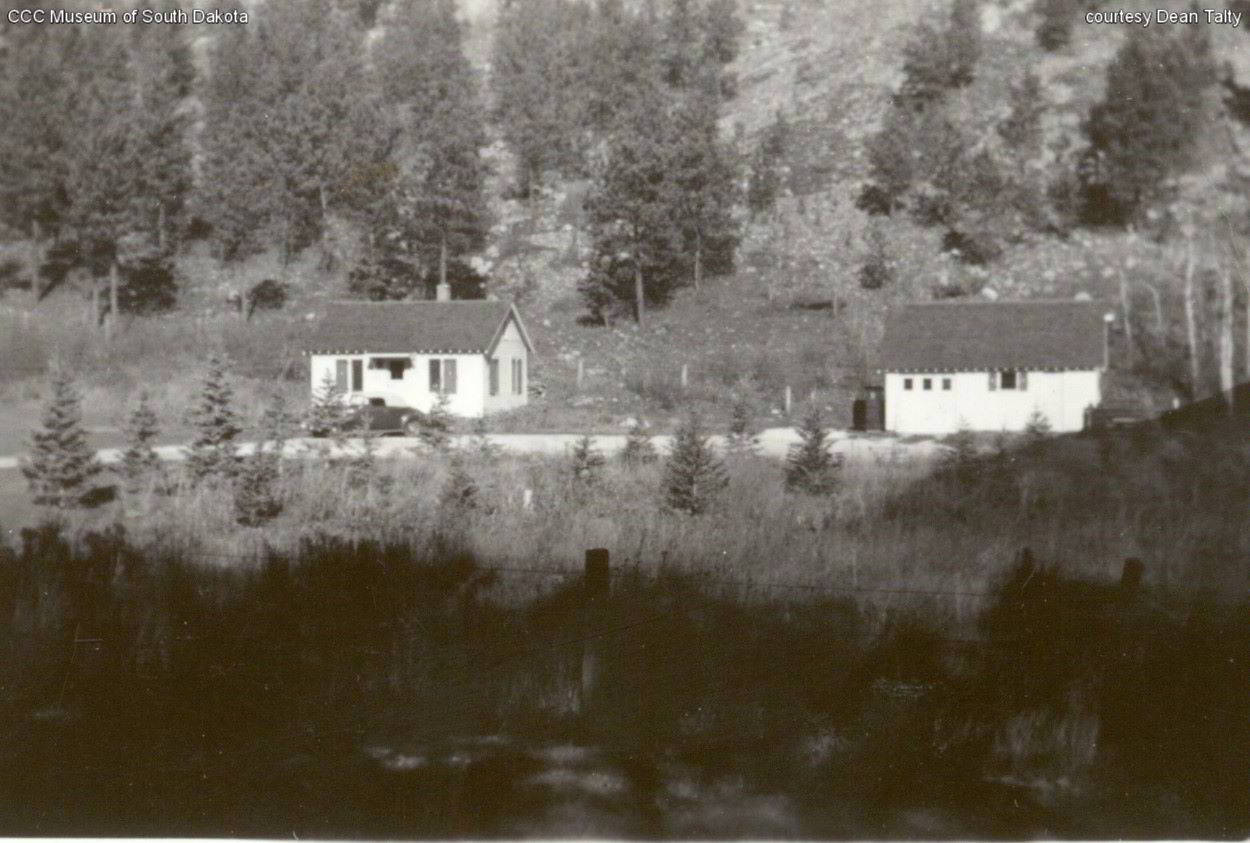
x=994 y=302
x=418 y=301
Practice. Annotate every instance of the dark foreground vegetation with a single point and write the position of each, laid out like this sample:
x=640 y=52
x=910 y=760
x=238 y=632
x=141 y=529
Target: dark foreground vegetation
x=357 y=689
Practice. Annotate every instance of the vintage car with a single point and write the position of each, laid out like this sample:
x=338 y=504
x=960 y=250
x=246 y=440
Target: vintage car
x=373 y=413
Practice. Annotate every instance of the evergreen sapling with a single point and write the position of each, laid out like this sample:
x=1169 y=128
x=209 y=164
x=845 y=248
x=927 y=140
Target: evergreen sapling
x=693 y=475
x=742 y=439
x=436 y=430
x=139 y=465
x=587 y=462
x=639 y=449
x=811 y=465
x=212 y=453
x=257 y=496
x=61 y=467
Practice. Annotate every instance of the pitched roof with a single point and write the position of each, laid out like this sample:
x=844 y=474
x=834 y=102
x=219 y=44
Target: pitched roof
x=412 y=327
x=982 y=335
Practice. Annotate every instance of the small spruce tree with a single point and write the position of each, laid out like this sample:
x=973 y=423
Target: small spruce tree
x=480 y=443
x=742 y=439
x=811 y=465
x=257 y=496
x=326 y=410
x=693 y=474
x=436 y=429
x=1037 y=429
x=212 y=453
x=639 y=449
x=139 y=465
x=961 y=459
x=61 y=468
x=587 y=462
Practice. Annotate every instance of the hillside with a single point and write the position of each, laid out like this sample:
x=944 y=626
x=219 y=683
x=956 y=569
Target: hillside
x=792 y=313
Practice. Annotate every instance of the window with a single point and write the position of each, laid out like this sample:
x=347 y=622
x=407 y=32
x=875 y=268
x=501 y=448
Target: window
x=928 y=384
x=906 y=383
x=518 y=377
x=1007 y=379
x=443 y=376
x=946 y=384
x=395 y=365
x=493 y=367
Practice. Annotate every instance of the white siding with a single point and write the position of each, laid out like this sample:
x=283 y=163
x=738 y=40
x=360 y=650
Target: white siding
x=414 y=389
x=509 y=348
x=1061 y=397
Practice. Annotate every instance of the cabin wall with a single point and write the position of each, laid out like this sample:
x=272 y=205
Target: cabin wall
x=1062 y=397
x=413 y=388
x=510 y=395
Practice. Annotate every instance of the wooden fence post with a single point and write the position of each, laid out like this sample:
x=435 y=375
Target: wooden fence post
x=789 y=399
x=527 y=499
x=595 y=591
x=1131 y=575
x=685 y=375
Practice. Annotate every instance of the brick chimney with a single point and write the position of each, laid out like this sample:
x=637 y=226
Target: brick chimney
x=442 y=292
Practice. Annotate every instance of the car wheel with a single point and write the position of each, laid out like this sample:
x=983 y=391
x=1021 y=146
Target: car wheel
x=412 y=427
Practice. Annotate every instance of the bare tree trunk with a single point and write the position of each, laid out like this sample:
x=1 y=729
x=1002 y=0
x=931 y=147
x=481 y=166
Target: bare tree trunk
x=698 y=259
x=1227 y=312
x=95 y=302
x=442 y=258
x=1157 y=299
x=1191 y=320
x=639 y=304
x=1126 y=304
x=114 y=309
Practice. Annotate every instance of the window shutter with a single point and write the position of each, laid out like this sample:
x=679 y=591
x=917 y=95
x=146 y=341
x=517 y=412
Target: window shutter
x=340 y=375
x=436 y=380
x=449 y=376
x=993 y=381
x=494 y=377
x=1022 y=379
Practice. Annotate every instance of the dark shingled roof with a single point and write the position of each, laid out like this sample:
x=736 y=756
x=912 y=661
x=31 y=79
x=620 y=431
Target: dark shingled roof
x=984 y=335
x=410 y=327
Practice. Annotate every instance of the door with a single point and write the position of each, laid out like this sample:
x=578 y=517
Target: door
x=358 y=375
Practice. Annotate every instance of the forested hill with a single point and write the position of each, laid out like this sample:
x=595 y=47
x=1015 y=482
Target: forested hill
x=742 y=187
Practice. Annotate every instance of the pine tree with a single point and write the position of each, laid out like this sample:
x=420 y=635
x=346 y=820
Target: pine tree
x=767 y=166
x=742 y=439
x=633 y=215
x=811 y=465
x=61 y=468
x=877 y=269
x=325 y=413
x=939 y=59
x=439 y=203
x=257 y=492
x=1054 y=32
x=1145 y=128
x=212 y=454
x=639 y=449
x=539 y=48
x=586 y=461
x=139 y=465
x=693 y=474
x=704 y=179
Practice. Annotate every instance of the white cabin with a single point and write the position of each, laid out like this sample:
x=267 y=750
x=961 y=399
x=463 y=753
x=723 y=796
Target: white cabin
x=476 y=352
x=991 y=366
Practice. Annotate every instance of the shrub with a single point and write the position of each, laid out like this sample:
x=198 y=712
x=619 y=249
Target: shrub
x=587 y=461
x=326 y=411
x=148 y=286
x=693 y=475
x=267 y=295
x=639 y=449
x=811 y=466
x=1055 y=29
x=212 y=453
x=460 y=491
x=436 y=428
x=742 y=439
x=61 y=467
